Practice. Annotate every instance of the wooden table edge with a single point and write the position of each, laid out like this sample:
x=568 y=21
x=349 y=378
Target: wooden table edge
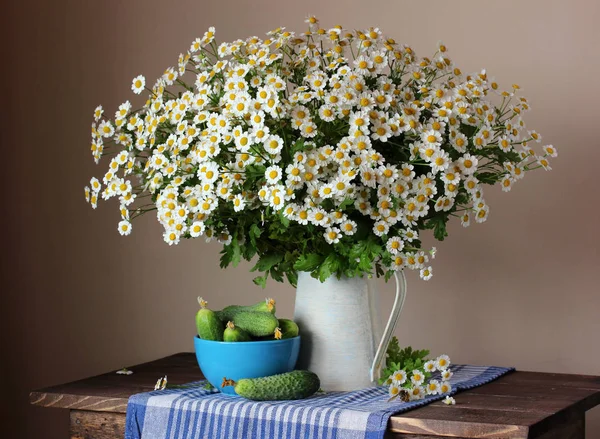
x=87 y=405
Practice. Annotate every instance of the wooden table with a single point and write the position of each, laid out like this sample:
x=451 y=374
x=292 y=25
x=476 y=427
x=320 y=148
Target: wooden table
x=518 y=405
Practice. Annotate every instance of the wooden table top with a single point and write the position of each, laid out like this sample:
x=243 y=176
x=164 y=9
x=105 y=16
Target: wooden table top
x=517 y=405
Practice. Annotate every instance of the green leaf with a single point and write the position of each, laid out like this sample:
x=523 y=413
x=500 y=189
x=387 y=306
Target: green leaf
x=298 y=146
x=254 y=234
x=487 y=177
x=226 y=257
x=248 y=251
x=260 y=280
x=389 y=274
x=347 y=202
x=330 y=265
x=308 y=262
x=276 y=275
x=438 y=224
x=236 y=256
x=266 y=262
x=284 y=220
x=292 y=277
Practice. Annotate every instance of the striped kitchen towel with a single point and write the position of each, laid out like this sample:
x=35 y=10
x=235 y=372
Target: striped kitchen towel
x=193 y=412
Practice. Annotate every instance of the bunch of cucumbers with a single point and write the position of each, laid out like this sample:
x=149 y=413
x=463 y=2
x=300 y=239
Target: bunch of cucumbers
x=238 y=323
x=256 y=322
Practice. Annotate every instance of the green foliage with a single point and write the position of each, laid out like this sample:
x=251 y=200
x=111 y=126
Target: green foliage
x=438 y=224
x=405 y=359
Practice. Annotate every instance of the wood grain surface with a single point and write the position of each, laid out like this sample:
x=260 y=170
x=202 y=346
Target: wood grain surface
x=516 y=406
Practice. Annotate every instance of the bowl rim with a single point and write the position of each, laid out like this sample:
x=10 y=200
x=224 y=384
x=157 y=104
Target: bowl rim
x=253 y=342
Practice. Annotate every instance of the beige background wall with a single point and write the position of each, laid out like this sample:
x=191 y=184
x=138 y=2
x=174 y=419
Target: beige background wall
x=78 y=300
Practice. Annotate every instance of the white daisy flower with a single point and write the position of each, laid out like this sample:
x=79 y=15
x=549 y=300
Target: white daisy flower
x=430 y=366
x=442 y=362
x=543 y=162
x=399 y=377
x=95 y=185
x=326 y=191
x=398 y=262
x=327 y=113
x=381 y=228
x=318 y=217
x=94 y=200
x=332 y=235
x=197 y=229
x=447 y=374
x=276 y=200
x=448 y=400
x=171 y=237
x=417 y=377
x=124 y=371
x=440 y=161
x=426 y=273
x=506 y=183
x=273 y=144
x=410 y=235
x=348 y=227
x=468 y=164
x=394 y=391
x=124 y=228
x=433 y=387
x=445 y=387
x=481 y=214
x=138 y=84
x=394 y=245
x=550 y=151
x=106 y=129
x=98 y=113
x=431 y=138
x=416 y=393
x=273 y=174
x=459 y=142
x=239 y=203
x=465 y=219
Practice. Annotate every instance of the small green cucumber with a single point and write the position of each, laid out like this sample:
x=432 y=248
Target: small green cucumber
x=256 y=323
x=267 y=305
x=288 y=328
x=232 y=333
x=297 y=384
x=208 y=325
x=227 y=313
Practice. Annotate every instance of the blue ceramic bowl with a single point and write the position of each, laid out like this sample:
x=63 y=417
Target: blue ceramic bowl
x=250 y=359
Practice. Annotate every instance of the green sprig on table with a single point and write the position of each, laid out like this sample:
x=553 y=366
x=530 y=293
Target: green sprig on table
x=405 y=359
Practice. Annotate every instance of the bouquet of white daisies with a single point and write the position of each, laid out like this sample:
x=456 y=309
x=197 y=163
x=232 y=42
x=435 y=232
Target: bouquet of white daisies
x=327 y=151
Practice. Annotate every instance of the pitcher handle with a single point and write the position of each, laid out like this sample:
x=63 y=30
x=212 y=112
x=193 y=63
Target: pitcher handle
x=375 y=371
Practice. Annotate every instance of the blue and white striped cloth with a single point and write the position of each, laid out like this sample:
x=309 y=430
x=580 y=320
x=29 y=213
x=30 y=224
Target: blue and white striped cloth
x=194 y=412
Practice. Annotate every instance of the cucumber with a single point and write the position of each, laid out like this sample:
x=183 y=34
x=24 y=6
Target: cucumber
x=297 y=384
x=256 y=323
x=288 y=328
x=208 y=325
x=235 y=334
x=227 y=313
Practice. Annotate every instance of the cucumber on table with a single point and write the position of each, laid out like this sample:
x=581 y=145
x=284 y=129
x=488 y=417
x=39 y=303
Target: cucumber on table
x=209 y=327
x=297 y=384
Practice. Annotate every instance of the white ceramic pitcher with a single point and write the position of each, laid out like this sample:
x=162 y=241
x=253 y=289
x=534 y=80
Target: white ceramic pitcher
x=341 y=329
